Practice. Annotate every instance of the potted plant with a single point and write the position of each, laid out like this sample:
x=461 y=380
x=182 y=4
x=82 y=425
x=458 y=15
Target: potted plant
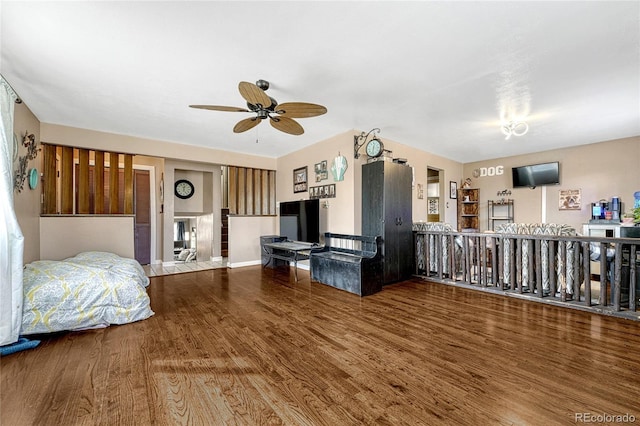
x=627 y=217
x=636 y=216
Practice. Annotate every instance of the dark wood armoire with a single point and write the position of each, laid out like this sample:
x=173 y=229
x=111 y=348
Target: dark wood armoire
x=386 y=211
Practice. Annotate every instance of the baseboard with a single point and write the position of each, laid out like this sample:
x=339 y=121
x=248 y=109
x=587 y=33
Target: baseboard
x=302 y=266
x=242 y=264
x=216 y=258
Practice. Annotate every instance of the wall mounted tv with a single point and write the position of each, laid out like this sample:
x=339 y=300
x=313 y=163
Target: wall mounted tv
x=300 y=220
x=536 y=175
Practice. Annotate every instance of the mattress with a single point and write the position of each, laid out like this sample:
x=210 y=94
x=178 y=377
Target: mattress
x=92 y=289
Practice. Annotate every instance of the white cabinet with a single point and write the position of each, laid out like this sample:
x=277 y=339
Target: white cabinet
x=601 y=230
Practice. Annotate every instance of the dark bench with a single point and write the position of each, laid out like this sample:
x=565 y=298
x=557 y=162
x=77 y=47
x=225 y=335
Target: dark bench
x=349 y=262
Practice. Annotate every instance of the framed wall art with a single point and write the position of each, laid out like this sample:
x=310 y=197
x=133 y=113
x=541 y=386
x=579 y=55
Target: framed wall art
x=433 y=206
x=321 y=170
x=323 y=191
x=300 y=179
x=570 y=199
x=453 y=190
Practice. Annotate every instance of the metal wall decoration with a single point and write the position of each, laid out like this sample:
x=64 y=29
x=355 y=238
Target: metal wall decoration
x=339 y=167
x=321 y=171
x=29 y=142
x=323 y=191
x=300 y=179
x=420 y=192
x=360 y=140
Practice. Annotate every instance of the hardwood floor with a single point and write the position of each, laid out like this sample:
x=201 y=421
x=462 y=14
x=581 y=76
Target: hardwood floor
x=250 y=346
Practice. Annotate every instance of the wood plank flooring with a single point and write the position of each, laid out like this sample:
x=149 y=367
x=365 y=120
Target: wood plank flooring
x=250 y=346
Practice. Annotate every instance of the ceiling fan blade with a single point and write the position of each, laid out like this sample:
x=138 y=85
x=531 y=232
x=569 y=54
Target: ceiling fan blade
x=246 y=124
x=300 y=109
x=286 y=125
x=220 y=108
x=253 y=94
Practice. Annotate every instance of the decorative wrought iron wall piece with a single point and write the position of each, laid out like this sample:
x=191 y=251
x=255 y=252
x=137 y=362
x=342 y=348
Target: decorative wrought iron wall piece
x=29 y=142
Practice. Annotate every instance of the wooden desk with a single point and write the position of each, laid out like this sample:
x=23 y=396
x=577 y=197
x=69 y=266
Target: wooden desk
x=292 y=251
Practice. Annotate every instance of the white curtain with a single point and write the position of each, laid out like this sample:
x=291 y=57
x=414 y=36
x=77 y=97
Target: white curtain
x=11 y=239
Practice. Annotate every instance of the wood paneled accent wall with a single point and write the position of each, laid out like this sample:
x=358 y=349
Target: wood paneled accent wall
x=77 y=181
x=252 y=192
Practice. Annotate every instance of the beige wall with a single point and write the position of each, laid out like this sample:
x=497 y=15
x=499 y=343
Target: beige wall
x=420 y=160
x=206 y=179
x=195 y=203
x=340 y=210
x=244 y=247
x=66 y=236
x=71 y=136
x=185 y=158
x=600 y=170
x=344 y=212
x=27 y=203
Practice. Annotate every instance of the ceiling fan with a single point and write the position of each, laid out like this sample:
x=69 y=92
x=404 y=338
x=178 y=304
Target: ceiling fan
x=281 y=116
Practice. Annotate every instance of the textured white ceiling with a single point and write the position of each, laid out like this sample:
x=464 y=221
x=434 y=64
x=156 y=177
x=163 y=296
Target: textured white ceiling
x=435 y=75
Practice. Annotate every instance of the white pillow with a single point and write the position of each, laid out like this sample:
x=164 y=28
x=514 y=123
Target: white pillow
x=183 y=254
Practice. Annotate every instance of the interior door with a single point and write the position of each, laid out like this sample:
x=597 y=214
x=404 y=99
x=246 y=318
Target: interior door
x=142 y=209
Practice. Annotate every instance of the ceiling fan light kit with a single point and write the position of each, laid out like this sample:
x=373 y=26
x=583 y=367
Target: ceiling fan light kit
x=514 y=128
x=281 y=116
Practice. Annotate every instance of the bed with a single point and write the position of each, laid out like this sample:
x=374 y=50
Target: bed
x=90 y=290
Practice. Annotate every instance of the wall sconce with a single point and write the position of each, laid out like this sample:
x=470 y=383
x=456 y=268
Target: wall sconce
x=514 y=128
x=359 y=141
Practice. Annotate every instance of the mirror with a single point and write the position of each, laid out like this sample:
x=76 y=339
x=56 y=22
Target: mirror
x=184 y=239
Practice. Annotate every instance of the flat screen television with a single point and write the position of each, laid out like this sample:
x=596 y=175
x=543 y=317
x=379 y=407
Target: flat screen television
x=536 y=175
x=300 y=220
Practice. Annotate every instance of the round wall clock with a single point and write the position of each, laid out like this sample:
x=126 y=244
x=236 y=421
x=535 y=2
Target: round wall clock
x=374 y=148
x=184 y=189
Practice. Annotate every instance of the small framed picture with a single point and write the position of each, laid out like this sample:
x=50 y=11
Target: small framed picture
x=453 y=190
x=570 y=199
x=321 y=170
x=300 y=179
x=433 y=206
x=323 y=191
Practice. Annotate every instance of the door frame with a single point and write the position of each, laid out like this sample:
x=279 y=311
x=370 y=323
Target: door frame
x=441 y=192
